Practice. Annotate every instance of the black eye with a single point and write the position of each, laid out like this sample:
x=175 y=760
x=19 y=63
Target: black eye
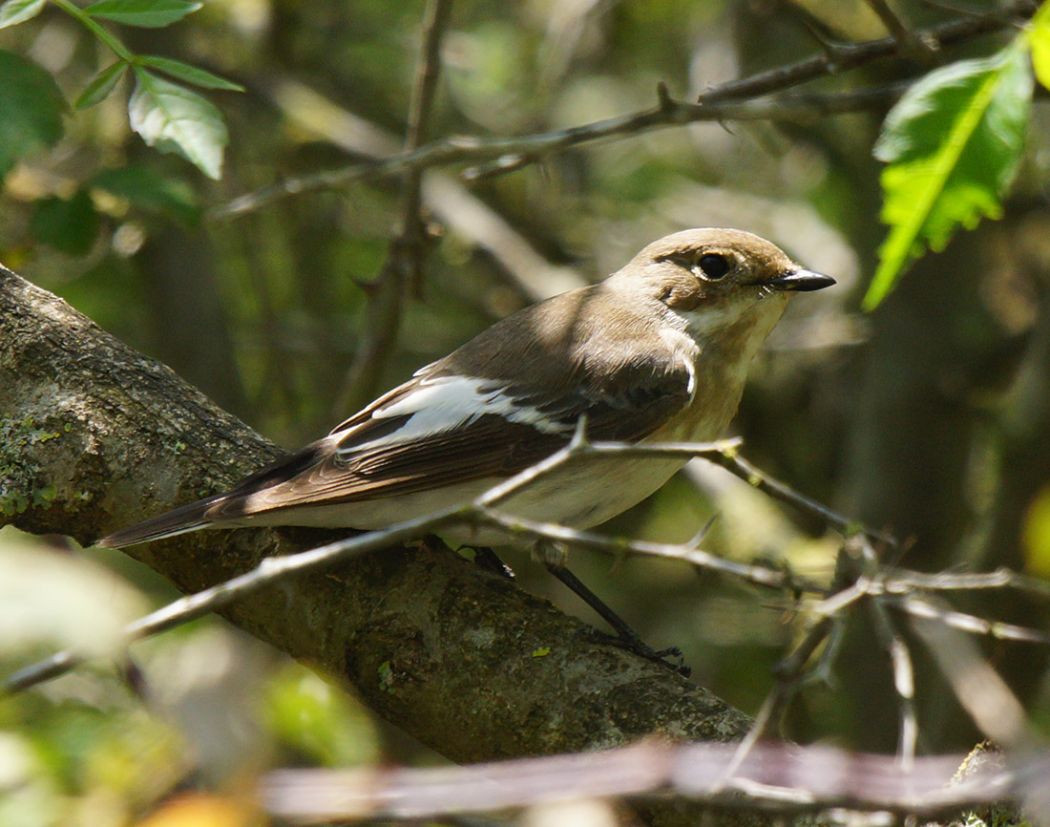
x=713 y=265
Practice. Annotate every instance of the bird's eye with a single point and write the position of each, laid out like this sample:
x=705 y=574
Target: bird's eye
x=713 y=266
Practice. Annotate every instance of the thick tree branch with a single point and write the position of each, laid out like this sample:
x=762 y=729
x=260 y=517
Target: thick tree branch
x=96 y=436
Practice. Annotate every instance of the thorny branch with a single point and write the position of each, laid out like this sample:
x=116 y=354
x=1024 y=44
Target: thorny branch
x=403 y=270
x=846 y=591
x=733 y=100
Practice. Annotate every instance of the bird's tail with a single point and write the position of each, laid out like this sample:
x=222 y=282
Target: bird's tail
x=185 y=518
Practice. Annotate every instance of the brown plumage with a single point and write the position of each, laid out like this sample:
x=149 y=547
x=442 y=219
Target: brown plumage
x=659 y=350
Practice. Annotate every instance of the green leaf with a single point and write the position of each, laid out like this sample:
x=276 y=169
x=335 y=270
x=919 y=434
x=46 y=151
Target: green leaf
x=14 y=12
x=189 y=74
x=147 y=14
x=101 y=85
x=145 y=188
x=174 y=119
x=70 y=226
x=953 y=144
x=1039 y=41
x=31 y=107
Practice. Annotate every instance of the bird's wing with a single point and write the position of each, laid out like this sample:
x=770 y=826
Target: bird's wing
x=440 y=430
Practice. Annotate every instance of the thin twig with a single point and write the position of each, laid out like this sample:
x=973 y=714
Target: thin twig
x=757 y=478
x=727 y=101
x=755 y=574
x=902 y=581
x=927 y=609
x=472 y=149
x=911 y=44
x=903 y=682
x=850 y=56
x=790 y=673
x=402 y=273
x=981 y=692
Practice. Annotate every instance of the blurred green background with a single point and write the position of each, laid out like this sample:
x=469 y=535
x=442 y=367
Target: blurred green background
x=929 y=417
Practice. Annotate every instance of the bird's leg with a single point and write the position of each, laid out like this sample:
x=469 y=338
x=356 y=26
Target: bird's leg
x=485 y=558
x=553 y=557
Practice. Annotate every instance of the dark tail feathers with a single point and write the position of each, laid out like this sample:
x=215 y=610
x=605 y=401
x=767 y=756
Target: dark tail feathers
x=181 y=520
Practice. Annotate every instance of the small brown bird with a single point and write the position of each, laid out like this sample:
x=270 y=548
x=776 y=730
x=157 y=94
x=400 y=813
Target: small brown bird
x=659 y=351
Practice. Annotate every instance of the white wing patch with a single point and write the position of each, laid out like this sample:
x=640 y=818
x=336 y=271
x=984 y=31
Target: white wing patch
x=444 y=404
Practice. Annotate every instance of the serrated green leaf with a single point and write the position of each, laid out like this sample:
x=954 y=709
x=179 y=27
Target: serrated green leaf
x=70 y=226
x=147 y=14
x=953 y=144
x=145 y=188
x=14 y=12
x=1039 y=41
x=174 y=119
x=31 y=107
x=101 y=85
x=189 y=74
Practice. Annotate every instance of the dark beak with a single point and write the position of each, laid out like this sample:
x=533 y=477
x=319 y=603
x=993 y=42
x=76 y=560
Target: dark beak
x=801 y=280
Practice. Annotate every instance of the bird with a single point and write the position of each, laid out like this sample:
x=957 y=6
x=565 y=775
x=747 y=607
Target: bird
x=658 y=351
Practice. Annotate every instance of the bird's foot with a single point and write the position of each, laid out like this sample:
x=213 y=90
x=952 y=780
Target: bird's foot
x=625 y=637
x=671 y=657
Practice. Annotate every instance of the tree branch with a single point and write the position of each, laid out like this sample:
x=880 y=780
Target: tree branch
x=96 y=436
x=727 y=101
x=775 y=778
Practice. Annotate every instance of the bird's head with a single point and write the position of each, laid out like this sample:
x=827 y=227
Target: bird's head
x=715 y=278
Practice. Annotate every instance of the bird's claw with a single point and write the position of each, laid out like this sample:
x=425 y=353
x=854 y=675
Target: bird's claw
x=671 y=657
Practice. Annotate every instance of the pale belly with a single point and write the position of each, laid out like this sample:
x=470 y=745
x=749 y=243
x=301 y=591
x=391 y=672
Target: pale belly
x=583 y=493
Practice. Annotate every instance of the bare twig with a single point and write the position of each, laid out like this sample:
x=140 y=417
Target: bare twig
x=471 y=149
x=452 y=204
x=911 y=44
x=903 y=682
x=927 y=609
x=850 y=56
x=981 y=692
x=901 y=581
x=790 y=674
x=727 y=101
x=757 y=478
x=403 y=270
x=270 y=570
x=775 y=778
x=756 y=574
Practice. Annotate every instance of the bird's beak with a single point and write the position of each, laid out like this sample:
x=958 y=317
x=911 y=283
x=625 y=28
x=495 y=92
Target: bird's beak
x=801 y=280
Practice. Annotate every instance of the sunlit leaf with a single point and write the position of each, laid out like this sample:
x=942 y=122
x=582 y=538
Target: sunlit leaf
x=149 y=14
x=101 y=85
x=148 y=189
x=174 y=119
x=189 y=74
x=953 y=144
x=67 y=225
x=14 y=12
x=1039 y=42
x=31 y=108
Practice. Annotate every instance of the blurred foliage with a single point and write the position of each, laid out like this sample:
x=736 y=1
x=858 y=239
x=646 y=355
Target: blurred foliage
x=263 y=311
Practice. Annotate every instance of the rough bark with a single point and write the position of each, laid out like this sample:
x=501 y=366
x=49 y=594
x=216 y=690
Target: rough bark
x=94 y=436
